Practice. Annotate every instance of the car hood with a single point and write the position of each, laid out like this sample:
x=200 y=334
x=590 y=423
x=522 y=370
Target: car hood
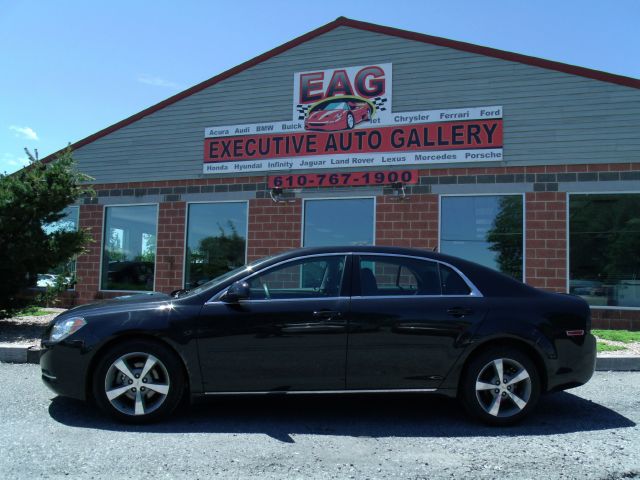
x=119 y=303
x=324 y=115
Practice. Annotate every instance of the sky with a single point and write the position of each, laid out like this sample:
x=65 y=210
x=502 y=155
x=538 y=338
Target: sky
x=70 y=68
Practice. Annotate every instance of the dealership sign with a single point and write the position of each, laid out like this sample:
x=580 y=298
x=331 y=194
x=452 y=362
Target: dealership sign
x=342 y=118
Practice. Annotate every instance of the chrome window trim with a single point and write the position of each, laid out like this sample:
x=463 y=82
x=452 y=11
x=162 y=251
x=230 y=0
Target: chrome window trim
x=407 y=297
x=331 y=392
x=261 y=300
x=215 y=298
x=475 y=292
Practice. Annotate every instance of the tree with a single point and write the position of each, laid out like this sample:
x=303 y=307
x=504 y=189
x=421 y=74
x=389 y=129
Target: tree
x=215 y=255
x=505 y=236
x=29 y=200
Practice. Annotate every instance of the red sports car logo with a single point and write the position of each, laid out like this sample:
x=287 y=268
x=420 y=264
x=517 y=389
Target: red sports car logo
x=338 y=114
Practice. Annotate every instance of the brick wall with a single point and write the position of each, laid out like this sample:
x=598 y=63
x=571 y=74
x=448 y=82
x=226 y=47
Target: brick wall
x=545 y=240
x=88 y=264
x=170 y=246
x=615 y=319
x=273 y=227
x=412 y=222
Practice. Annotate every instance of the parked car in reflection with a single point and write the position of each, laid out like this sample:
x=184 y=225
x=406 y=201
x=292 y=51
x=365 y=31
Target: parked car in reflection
x=593 y=291
x=48 y=280
x=332 y=319
x=130 y=275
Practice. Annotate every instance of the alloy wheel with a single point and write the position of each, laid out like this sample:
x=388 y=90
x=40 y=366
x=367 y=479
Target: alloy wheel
x=137 y=384
x=503 y=387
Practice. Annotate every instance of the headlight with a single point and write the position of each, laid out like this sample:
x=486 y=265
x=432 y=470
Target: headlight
x=65 y=327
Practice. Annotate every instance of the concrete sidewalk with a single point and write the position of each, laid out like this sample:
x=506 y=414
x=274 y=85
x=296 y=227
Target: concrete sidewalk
x=15 y=353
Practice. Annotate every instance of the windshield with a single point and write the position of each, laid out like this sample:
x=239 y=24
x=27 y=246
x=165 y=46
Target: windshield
x=225 y=276
x=335 y=106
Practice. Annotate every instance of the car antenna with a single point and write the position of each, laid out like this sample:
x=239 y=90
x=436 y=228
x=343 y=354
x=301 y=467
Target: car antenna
x=434 y=249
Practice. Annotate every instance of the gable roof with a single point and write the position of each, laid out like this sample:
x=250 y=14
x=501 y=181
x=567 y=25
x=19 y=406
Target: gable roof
x=371 y=27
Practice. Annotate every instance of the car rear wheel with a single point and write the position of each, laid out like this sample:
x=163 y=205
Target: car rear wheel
x=138 y=382
x=350 y=121
x=501 y=386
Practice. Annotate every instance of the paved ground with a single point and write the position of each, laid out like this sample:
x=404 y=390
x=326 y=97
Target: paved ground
x=591 y=432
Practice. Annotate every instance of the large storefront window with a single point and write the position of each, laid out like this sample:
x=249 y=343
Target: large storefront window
x=129 y=248
x=347 y=221
x=68 y=223
x=486 y=229
x=216 y=240
x=604 y=249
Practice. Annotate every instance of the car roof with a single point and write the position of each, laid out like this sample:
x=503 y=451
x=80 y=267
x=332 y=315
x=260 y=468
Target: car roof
x=416 y=252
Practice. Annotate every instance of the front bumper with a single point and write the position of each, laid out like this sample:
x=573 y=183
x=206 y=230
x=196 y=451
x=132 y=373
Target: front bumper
x=64 y=369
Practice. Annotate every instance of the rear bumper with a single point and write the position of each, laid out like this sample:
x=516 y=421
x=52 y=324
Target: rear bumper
x=575 y=364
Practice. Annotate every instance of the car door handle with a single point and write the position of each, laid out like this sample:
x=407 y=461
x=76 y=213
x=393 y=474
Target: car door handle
x=459 y=311
x=326 y=314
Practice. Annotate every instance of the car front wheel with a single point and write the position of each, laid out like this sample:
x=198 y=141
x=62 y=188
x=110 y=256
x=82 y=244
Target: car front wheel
x=350 y=121
x=501 y=386
x=138 y=382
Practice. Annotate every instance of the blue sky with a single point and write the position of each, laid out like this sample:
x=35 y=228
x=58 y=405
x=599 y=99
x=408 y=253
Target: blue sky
x=70 y=68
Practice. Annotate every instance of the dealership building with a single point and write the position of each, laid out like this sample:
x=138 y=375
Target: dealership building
x=360 y=134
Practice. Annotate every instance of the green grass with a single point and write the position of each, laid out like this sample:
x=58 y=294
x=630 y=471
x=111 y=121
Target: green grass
x=32 y=311
x=624 y=336
x=604 y=347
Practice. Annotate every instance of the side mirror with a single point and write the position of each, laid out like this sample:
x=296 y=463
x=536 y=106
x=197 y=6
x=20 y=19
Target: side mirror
x=236 y=292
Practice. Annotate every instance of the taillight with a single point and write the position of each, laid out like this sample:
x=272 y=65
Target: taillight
x=575 y=333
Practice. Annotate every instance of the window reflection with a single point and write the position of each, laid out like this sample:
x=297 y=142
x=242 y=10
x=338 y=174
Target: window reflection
x=604 y=249
x=317 y=277
x=68 y=223
x=216 y=240
x=348 y=221
x=129 y=248
x=485 y=229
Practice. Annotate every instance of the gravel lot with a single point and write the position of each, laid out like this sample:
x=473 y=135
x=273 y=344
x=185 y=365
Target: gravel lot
x=591 y=432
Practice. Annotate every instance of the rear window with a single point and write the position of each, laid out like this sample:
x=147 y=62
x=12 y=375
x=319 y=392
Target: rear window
x=452 y=283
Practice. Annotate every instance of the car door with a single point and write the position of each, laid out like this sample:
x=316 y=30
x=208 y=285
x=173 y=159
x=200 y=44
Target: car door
x=290 y=334
x=404 y=333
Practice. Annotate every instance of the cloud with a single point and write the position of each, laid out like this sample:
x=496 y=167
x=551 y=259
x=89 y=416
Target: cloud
x=24 y=132
x=14 y=162
x=156 y=81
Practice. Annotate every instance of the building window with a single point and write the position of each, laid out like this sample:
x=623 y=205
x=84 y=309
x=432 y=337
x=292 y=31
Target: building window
x=347 y=221
x=68 y=223
x=216 y=240
x=486 y=229
x=604 y=249
x=129 y=248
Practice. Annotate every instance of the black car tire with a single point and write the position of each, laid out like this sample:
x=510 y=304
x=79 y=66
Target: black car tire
x=516 y=400
x=351 y=122
x=166 y=375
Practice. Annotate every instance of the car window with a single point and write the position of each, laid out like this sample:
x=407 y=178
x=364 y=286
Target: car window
x=385 y=275
x=314 y=277
x=452 y=283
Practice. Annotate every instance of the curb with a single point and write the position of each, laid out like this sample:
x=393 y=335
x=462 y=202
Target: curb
x=10 y=353
x=618 y=364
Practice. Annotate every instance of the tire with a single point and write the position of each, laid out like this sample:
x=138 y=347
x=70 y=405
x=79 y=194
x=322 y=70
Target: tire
x=500 y=398
x=133 y=397
x=351 y=122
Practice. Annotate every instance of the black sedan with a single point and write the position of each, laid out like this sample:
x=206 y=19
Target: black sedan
x=327 y=320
